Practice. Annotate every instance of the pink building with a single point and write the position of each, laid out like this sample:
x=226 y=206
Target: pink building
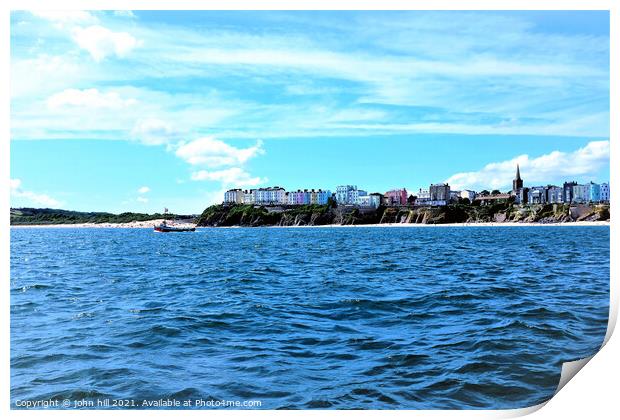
x=396 y=197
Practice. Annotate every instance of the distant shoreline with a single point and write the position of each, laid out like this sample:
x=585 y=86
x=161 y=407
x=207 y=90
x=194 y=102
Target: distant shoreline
x=128 y=225
x=151 y=223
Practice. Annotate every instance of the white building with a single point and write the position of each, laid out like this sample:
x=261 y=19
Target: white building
x=605 y=192
x=357 y=194
x=423 y=198
x=555 y=194
x=369 y=200
x=249 y=196
x=270 y=196
x=363 y=201
x=235 y=196
x=348 y=194
x=581 y=193
x=537 y=195
x=342 y=193
x=469 y=194
x=291 y=198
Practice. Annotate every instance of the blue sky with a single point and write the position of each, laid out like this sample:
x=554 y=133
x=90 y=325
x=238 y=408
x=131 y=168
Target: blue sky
x=134 y=111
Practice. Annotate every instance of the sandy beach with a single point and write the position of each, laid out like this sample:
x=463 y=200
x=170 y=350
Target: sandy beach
x=151 y=223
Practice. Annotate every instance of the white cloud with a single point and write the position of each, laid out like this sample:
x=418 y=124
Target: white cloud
x=231 y=177
x=90 y=98
x=143 y=199
x=153 y=131
x=212 y=152
x=553 y=167
x=143 y=190
x=101 y=42
x=39 y=199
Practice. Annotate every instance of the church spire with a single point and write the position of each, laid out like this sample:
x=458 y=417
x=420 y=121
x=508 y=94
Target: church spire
x=517 y=183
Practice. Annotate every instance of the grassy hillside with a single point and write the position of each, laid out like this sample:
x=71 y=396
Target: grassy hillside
x=32 y=216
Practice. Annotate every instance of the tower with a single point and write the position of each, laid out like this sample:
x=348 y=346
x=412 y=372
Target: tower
x=517 y=183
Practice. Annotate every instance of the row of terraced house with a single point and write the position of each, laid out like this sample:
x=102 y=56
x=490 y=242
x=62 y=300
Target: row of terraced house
x=274 y=196
x=435 y=195
x=345 y=195
x=278 y=196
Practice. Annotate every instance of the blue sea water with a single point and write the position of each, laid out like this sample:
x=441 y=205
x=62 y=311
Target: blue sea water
x=386 y=318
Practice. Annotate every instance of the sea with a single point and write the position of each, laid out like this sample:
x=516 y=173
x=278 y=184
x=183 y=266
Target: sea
x=303 y=318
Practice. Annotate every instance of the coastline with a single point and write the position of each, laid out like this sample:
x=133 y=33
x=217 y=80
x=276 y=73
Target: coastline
x=151 y=223
x=147 y=224
x=439 y=225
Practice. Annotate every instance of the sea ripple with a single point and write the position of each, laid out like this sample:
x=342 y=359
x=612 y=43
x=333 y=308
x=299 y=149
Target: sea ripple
x=399 y=318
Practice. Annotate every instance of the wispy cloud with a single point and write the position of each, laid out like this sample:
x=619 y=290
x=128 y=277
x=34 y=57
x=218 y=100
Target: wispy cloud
x=153 y=131
x=552 y=167
x=33 y=197
x=124 y=112
x=143 y=190
x=89 y=98
x=325 y=75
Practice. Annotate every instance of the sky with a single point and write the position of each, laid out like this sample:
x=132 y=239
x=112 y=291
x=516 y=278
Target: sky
x=140 y=110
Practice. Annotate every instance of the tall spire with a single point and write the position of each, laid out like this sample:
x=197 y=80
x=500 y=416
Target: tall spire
x=517 y=183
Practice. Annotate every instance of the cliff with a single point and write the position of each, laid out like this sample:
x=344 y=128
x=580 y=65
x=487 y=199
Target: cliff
x=315 y=215
x=309 y=215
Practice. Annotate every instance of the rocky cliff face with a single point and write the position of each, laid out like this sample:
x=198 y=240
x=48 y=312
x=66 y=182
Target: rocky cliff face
x=314 y=215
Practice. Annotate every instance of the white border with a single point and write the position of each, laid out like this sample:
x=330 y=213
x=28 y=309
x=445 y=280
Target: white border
x=592 y=394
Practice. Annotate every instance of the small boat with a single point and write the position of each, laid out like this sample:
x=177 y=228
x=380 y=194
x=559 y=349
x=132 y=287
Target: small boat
x=165 y=227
